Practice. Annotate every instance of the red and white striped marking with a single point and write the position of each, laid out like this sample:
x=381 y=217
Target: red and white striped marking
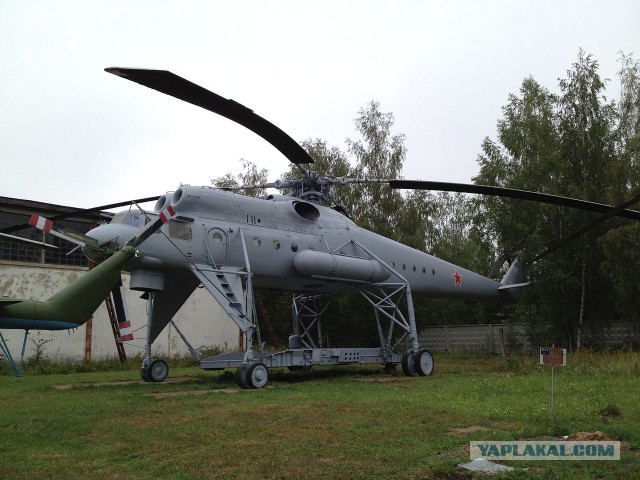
x=126 y=331
x=167 y=213
x=41 y=223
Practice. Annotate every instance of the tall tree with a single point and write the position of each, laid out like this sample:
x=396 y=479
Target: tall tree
x=565 y=145
x=628 y=130
x=587 y=150
x=378 y=154
x=249 y=176
x=526 y=157
x=620 y=245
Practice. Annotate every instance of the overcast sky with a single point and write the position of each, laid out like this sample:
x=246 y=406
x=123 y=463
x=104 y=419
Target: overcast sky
x=72 y=134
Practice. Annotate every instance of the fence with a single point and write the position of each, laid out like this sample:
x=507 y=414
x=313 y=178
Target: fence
x=521 y=337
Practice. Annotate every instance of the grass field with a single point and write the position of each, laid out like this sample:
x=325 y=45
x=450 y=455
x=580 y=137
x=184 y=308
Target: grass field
x=346 y=423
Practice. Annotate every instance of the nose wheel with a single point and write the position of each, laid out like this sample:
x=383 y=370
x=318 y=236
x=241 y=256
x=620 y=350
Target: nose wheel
x=156 y=371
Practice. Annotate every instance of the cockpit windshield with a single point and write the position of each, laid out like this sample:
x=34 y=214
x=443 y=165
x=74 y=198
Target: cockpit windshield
x=128 y=218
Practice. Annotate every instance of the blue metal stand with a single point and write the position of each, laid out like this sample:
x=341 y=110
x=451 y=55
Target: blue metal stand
x=5 y=351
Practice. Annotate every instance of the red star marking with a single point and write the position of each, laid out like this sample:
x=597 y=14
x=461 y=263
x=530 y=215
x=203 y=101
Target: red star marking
x=458 y=278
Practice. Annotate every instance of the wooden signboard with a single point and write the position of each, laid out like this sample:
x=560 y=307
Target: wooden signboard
x=553 y=356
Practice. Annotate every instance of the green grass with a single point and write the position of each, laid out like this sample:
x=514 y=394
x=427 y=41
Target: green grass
x=345 y=423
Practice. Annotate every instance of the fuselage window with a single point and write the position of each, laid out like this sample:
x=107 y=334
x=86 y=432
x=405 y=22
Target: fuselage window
x=181 y=230
x=276 y=245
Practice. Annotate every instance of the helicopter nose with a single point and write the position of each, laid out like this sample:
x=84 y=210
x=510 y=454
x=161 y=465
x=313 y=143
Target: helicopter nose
x=107 y=238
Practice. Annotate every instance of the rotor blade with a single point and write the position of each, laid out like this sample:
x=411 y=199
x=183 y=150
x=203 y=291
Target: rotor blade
x=164 y=216
x=586 y=228
x=46 y=225
x=125 y=332
x=497 y=265
x=26 y=241
x=295 y=183
x=81 y=212
x=512 y=193
x=178 y=87
x=277 y=184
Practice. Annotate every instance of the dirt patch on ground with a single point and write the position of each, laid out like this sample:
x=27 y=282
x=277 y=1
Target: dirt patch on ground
x=588 y=436
x=168 y=381
x=193 y=393
x=463 y=431
x=575 y=437
x=378 y=379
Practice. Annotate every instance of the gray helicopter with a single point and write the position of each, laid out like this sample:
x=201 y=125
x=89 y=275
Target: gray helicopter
x=232 y=243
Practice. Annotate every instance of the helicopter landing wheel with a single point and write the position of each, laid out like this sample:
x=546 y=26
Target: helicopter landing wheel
x=408 y=364
x=423 y=362
x=241 y=377
x=156 y=371
x=257 y=375
x=144 y=374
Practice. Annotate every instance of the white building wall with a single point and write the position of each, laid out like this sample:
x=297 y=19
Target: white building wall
x=201 y=320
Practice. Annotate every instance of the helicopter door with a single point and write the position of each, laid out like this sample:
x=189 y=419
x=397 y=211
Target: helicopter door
x=218 y=247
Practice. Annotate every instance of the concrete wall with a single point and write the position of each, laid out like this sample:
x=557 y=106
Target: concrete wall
x=521 y=337
x=200 y=319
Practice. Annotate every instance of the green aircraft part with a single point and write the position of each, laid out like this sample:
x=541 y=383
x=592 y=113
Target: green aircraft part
x=73 y=305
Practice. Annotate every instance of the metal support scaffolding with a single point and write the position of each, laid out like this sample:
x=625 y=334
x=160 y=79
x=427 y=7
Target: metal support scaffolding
x=307 y=311
x=386 y=299
x=4 y=348
x=306 y=344
x=250 y=309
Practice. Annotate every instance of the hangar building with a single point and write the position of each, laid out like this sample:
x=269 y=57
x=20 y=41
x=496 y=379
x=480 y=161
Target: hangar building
x=35 y=273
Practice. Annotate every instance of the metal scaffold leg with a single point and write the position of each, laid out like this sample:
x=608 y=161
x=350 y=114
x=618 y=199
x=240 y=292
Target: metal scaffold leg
x=7 y=354
x=307 y=312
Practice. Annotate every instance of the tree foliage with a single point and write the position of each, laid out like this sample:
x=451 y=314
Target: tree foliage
x=249 y=176
x=572 y=143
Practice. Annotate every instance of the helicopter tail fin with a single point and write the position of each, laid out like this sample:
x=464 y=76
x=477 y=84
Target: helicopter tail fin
x=515 y=278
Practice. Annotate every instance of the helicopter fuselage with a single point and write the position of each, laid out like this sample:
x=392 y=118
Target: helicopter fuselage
x=287 y=244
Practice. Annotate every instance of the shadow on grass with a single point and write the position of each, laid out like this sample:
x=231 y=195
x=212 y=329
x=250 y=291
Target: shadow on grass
x=283 y=375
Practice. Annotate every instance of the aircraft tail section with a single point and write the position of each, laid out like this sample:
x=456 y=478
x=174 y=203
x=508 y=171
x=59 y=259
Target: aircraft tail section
x=73 y=305
x=515 y=278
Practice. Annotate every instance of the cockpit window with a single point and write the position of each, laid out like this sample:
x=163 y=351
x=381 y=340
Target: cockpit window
x=127 y=218
x=133 y=218
x=180 y=230
x=118 y=217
